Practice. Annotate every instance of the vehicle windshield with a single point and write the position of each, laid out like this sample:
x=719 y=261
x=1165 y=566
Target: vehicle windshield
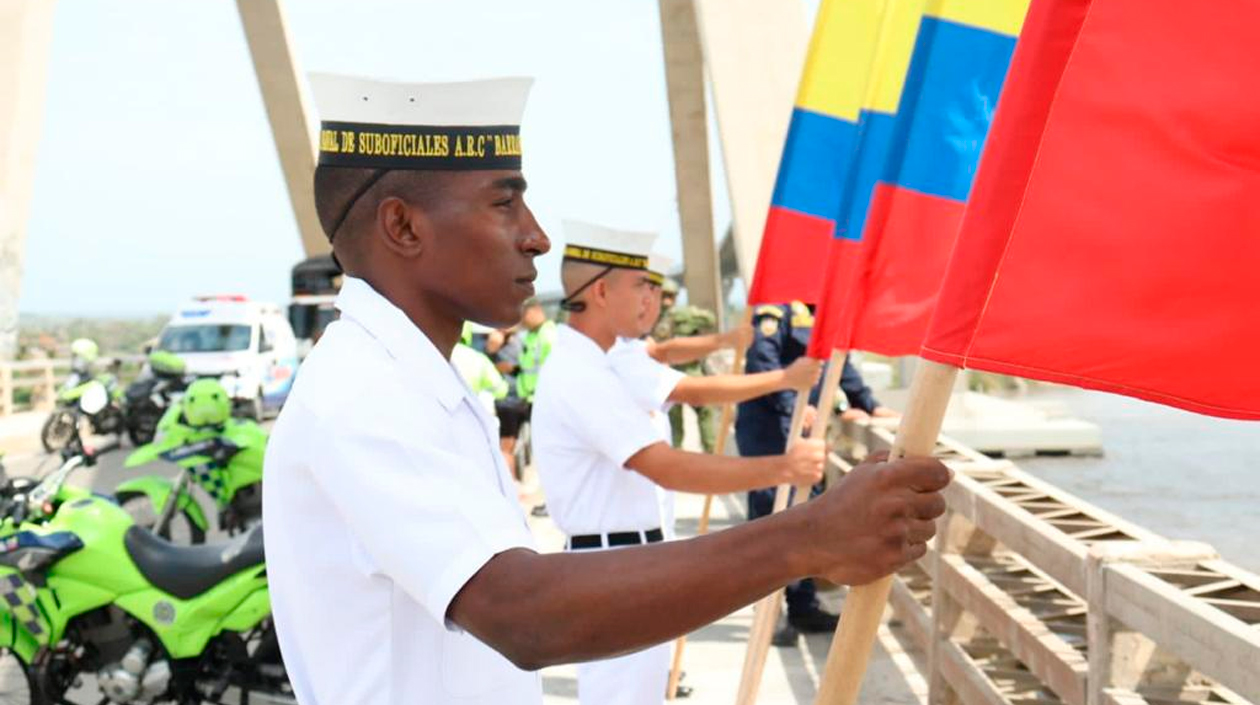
x=205 y=338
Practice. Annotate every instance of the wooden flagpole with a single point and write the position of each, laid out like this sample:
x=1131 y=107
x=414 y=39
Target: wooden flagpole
x=864 y=607
x=766 y=612
x=719 y=448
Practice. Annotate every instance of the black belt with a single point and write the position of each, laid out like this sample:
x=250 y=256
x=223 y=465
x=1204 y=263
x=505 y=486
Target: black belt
x=619 y=538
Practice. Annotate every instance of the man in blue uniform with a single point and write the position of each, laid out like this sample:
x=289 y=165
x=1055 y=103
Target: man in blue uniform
x=781 y=335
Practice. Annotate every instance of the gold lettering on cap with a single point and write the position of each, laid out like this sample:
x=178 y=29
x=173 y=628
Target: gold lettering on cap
x=328 y=141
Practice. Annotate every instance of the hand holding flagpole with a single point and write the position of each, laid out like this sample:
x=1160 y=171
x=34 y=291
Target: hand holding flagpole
x=766 y=611
x=864 y=606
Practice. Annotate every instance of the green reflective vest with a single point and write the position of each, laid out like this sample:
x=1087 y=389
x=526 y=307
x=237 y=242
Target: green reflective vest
x=535 y=347
x=478 y=371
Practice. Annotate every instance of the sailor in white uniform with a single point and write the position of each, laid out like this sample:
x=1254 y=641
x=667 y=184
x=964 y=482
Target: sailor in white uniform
x=602 y=461
x=400 y=566
x=385 y=491
x=656 y=386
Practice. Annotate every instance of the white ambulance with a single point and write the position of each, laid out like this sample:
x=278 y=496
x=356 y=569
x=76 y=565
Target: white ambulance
x=248 y=345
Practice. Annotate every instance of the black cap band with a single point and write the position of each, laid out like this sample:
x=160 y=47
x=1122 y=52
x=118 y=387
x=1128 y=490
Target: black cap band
x=421 y=147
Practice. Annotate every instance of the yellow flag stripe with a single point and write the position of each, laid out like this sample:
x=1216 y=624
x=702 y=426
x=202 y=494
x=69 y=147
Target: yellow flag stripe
x=1001 y=16
x=838 y=65
x=897 y=34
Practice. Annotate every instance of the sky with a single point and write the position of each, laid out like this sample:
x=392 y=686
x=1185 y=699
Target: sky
x=157 y=178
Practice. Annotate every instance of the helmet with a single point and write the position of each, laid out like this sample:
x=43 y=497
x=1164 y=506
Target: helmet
x=85 y=349
x=206 y=403
x=166 y=363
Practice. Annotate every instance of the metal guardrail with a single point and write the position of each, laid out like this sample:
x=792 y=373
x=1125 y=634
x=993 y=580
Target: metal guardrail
x=1033 y=596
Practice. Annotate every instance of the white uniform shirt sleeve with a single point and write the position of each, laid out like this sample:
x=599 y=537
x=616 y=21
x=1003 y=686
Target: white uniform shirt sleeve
x=420 y=513
x=608 y=418
x=649 y=382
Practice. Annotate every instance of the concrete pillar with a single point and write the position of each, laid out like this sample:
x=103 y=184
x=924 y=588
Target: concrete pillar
x=25 y=43
x=288 y=109
x=684 y=76
x=754 y=50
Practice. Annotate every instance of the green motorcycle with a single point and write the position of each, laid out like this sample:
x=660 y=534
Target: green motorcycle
x=63 y=422
x=222 y=455
x=97 y=609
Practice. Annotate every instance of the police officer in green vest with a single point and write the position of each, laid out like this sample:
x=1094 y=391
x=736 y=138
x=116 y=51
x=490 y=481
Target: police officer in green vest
x=538 y=333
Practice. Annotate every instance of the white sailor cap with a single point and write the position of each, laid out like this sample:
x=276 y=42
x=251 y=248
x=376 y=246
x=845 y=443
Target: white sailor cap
x=374 y=124
x=659 y=266
x=586 y=242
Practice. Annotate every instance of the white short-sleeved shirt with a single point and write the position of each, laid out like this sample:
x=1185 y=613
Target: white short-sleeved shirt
x=650 y=383
x=385 y=492
x=586 y=425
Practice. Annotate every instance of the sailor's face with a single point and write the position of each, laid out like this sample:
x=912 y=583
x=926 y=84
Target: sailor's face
x=653 y=311
x=629 y=295
x=484 y=246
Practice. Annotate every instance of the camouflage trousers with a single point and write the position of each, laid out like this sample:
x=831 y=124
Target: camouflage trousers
x=706 y=419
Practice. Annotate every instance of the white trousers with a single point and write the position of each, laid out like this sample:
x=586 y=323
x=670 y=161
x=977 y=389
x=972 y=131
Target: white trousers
x=635 y=679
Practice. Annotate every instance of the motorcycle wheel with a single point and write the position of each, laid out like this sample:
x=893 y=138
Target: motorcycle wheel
x=181 y=530
x=15 y=681
x=58 y=430
x=267 y=679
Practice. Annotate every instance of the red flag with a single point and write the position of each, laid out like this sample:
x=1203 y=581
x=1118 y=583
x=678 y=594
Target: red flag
x=1112 y=239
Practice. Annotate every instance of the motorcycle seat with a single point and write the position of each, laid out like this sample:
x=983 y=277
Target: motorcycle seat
x=188 y=571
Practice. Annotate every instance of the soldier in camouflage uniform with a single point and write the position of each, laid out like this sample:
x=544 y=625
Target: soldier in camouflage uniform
x=684 y=322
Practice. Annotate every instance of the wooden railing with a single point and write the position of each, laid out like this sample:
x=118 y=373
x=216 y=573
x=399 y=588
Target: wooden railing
x=1031 y=595
x=27 y=385
x=40 y=378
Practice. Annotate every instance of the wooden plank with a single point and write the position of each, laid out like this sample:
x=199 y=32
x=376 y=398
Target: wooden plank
x=1043 y=652
x=1225 y=568
x=1241 y=609
x=1187 y=578
x=1219 y=585
x=6 y=386
x=966 y=678
x=1210 y=640
x=1053 y=551
x=1119 y=696
x=1059 y=494
x=912 y=614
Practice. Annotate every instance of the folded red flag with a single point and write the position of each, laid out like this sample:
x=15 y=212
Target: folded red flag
x=1112 y=238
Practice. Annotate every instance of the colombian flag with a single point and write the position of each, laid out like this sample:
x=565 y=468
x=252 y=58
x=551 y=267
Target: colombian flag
x=816 y=157
x=938 y=69
x=1112 y=240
